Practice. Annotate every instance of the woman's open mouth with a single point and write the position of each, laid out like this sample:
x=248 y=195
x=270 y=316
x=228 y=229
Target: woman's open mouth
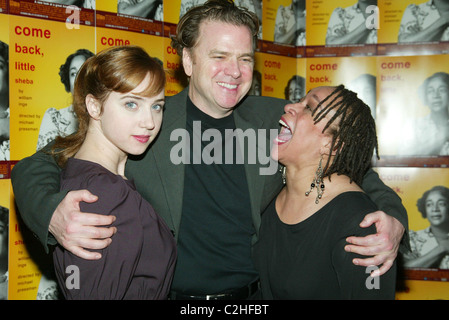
x=285 y=135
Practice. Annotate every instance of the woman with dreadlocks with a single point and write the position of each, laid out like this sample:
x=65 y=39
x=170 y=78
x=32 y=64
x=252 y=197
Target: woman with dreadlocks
x=326 y=145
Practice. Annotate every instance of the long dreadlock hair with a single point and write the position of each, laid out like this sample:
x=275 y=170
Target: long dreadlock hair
x=354 y=137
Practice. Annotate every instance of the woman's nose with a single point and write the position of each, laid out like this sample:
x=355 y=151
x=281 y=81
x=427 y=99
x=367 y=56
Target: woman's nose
x=292 y=107
x=147 y=120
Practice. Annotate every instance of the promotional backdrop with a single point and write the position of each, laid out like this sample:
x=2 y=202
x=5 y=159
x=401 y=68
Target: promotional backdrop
x=47 y=42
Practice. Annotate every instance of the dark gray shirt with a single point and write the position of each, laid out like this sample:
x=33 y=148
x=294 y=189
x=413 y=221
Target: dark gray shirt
x=214 y=243
x=139 y=262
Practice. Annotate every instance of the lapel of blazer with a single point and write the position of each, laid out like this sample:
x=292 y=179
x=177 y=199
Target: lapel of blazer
x=247 y=119
x=171 y=175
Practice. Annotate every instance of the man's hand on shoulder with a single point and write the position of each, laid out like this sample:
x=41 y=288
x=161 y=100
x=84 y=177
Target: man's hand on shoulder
x=382 y=246
x=77 y=231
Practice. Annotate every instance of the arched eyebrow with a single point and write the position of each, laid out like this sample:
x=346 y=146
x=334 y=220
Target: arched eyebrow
x=131 y=96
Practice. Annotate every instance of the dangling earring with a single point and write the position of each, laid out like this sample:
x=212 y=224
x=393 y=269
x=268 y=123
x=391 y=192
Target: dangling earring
x=318 y=183
x=283 y=170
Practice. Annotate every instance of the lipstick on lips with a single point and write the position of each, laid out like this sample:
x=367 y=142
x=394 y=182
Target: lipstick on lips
x=142 y=139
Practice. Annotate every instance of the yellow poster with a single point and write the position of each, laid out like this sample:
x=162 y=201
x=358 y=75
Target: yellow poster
x=25 y=275
x=148 y=10
x=44 y=59
x=4 y=95
x=107 y=37
x=341 y=28
x=73 y=13
x=295 y=87
x=340 y=70
x=410 y=184
x=413 y=107
x=4 y=153
x=398 y=67
x=424 y=290
x=356 y=73
x=144 y=17
x=277 y=71
x=412 y=21
x=30 y=269
x=256 y=86
x=280 y=20
x=412 y=27
x=390 y=16
x=173 y=11
x=106 y=5
x=157 y=47
x=176 y=78
x=425 y=195
x=319 y=15
x=4 y=235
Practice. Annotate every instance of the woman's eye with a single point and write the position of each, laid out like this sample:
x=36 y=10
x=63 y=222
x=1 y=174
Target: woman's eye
x=131 y=105
x=442 y=204
x=157 y=107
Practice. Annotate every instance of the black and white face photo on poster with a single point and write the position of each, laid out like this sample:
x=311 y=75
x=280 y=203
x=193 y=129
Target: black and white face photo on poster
x=430 y=246
x=4 y=102
x=148 y=9
x=290 y=24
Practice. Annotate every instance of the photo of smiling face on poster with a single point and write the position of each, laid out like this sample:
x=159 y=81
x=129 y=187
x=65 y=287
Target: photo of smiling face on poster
x=430 y=246
x=256 y=85
x=434 y=127
x=62 y=122
x=431 y=132
x=295 y=89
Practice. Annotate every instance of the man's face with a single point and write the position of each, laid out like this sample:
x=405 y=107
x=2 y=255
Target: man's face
x=220 y=67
